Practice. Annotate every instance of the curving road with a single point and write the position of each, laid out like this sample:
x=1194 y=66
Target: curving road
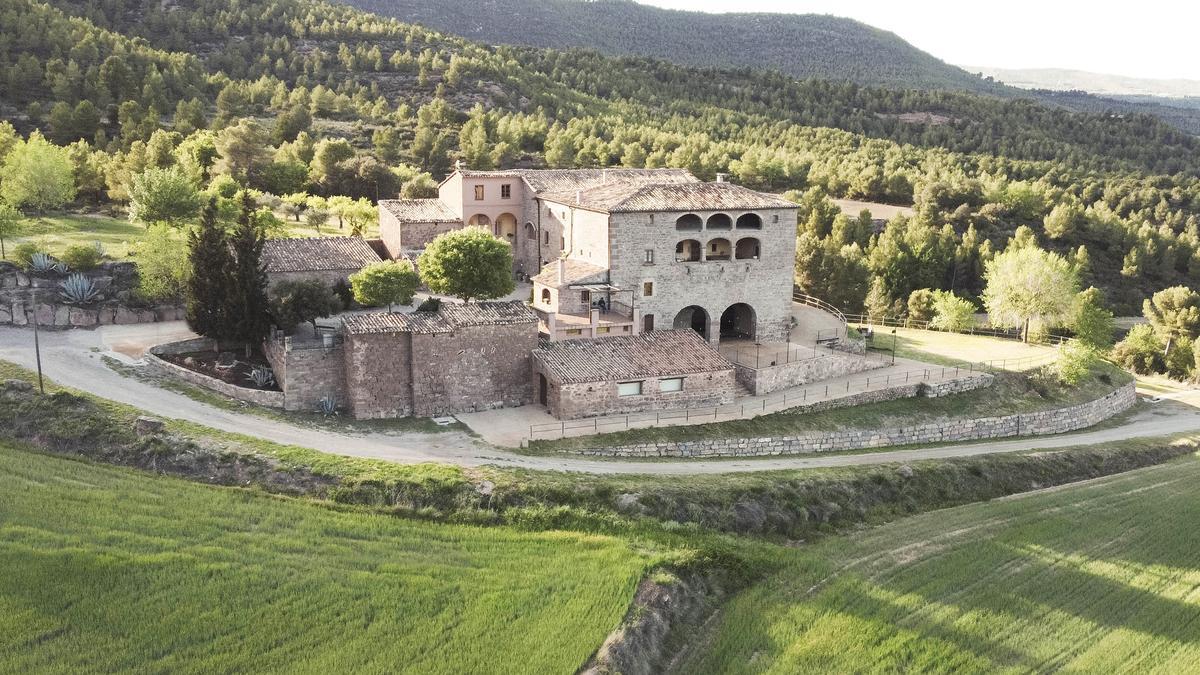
x=73 y=359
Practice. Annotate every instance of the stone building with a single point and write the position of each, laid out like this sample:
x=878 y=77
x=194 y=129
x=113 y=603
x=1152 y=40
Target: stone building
x=461 y=358
x=661 y=370
x=644 y=249
x=326 y=259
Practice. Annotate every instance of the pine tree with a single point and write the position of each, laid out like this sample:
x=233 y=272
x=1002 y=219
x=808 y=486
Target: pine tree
x=209 y=285
x=249 y=306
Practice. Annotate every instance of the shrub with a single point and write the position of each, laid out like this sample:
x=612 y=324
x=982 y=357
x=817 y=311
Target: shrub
x=1092 y=322
x=341 y=288
x=951 y=312
x=920 y=306
x=296 y=302
x=1180 y=361
x=388 y=282
x=1075 y=361
x=163 y=267
x=431 y=304
x=1141 y=351
x=23 y=254
x=81 y=257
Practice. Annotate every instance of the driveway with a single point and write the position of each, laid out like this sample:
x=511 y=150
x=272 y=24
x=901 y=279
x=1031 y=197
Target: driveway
x=73 y=359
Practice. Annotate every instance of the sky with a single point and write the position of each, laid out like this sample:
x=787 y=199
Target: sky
x=1136 y=38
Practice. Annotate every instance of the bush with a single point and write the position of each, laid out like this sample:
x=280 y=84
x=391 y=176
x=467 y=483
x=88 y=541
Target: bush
x=81 y=257
x=163 y=267
x=431 y=305
x=951 y=312
x=1093 y=323
x=1075 y=361
x=341 y=288
x=920 y=306
x=296 y=302
x=23 y=254
x=1180 y=361
x=1141 y=351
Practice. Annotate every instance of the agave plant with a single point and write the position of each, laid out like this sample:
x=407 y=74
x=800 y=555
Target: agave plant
x=262 y=377
x=327 y=406
x=41 y=262
x=78 y=289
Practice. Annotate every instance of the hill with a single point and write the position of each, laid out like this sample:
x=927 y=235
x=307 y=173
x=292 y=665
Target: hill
x=802 y=45
x=1062 y=79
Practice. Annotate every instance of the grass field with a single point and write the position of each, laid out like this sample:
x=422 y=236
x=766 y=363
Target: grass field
x=1101 y=576
x=107 y=569
x=54 y=233
x=956 y=348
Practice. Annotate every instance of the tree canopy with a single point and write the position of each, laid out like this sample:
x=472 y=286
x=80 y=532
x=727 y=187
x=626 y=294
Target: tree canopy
x=388 y=282
x=1027 y=285
x=469 y=264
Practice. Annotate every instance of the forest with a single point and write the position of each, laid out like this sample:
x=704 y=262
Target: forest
x=308 y=97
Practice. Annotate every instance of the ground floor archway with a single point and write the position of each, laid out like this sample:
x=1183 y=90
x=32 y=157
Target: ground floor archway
x=694 y=317
x=506 y=227
x=737 y=321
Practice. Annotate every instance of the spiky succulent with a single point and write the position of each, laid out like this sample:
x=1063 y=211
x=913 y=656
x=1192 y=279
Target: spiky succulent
x=327 y=406
x=262 y=377
x=78 y=289
x=42 y=262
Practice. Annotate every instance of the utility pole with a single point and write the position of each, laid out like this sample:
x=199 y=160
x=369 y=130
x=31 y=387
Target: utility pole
x=37 y=347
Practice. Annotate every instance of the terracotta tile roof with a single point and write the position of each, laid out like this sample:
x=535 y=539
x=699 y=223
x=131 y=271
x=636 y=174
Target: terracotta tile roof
x=419 y=210
x=574 y=272
x=545 y=181
x=630 y=357
x=506 y=312
x=317 y=254
x=395 y=322
x=450 y=315
x=618 y=198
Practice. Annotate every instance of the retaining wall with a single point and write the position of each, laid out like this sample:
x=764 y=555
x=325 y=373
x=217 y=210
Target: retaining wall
x=1041 y=423
x=154 y=361
x=828 y=365
x=24 y=296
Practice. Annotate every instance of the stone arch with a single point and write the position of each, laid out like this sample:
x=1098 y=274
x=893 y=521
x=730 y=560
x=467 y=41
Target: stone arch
x=689 y=222
x=479 y=220
x=545 y=296
x=737 y=322
x=506 y=227
x=694 y=317
x=530 y=231
x=749 y=221
x=688 y=250
x=719 y=221
x=747 y=248
x=718 y=249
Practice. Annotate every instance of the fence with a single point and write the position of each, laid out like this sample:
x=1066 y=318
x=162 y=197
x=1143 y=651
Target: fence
x=776 y=403
x=986 y=331
x=765 y=356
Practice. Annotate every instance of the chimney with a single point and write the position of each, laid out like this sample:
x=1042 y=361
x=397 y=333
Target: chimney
x=562 y=270
x=458 y=165
x=722 y=178
x=579 y=196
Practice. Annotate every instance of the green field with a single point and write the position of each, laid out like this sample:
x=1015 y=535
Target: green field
x=107 y=569
x=54 y=233
x=1101 y=576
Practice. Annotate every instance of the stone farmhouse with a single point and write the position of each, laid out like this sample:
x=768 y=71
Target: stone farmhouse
x=638 y=275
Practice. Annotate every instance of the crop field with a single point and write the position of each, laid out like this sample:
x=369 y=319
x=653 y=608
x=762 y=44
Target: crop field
x=1101 y=576
x=108 y=569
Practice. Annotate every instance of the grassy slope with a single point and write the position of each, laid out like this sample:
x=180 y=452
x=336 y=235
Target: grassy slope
x=54 y=233
x=1080 y=578
x=132 y=572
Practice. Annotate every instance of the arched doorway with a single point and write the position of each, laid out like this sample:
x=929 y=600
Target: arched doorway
x=506 y=227
x=737 y=322
x=479 y=220
x=694 y=317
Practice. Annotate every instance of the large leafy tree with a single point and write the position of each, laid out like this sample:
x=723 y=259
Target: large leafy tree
x=389 y=282
x=208 y=288
x=1092 y=322
x=1027 y=285
x=249 y=307
x=37 y=175
x=1174 y=313
x=163 y=269
x=163 y=196
x=469 y=264
x=244 y=151
x=10 y=224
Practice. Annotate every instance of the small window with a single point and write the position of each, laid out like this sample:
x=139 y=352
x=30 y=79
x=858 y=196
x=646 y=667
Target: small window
x=574 y=331
x=649 y=259
x=647 y=323
x=478 y=193
x=530 y=232
x=603 y=329
x=585 y=296
x=647 y=289
x=546 y=238
x=505 y=191
x=671 y=384
x=546 y=296
x=629 y=389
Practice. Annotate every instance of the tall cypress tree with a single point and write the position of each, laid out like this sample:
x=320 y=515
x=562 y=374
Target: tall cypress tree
x=248 y=306
x=209 y=285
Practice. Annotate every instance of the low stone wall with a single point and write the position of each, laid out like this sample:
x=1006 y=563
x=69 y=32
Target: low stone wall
x=154 y=361
x=827 y=365
x=25 y=296
x=899 y=391
x=1042 y=423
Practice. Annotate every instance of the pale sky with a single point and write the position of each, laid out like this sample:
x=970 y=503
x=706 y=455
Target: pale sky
x=1138 y=38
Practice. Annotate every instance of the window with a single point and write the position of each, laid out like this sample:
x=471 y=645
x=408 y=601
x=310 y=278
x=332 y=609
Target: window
x=574 y=331
x=647 y=289
x=603 y=329
x=629 y=389
x=546 y=238
x=647 y=323
x=478 y=193
x=585 y=296
x=649 y=259
x=505 y=191
x=671 y=384
x=530 y=232
x=546 y=296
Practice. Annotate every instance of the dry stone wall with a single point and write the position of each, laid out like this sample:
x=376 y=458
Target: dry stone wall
x=154 y=361
x=308 y=371
x=827 y=365
x=26 y=297
x=1046 y=422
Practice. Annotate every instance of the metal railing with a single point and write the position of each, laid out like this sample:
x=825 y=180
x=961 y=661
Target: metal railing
x=766 y=356
x=865 y=320
x=777 y=403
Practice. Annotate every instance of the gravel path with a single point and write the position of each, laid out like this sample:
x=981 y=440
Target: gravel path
x=73 y=359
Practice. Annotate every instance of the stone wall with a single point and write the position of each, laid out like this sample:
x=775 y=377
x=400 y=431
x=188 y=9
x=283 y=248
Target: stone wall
x=115 y=282
x=307 y=371
x=472 y=368
x=1046 y=422
x=154 y=361
x=899 y=391
x=593 y=399
x=826 y=365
